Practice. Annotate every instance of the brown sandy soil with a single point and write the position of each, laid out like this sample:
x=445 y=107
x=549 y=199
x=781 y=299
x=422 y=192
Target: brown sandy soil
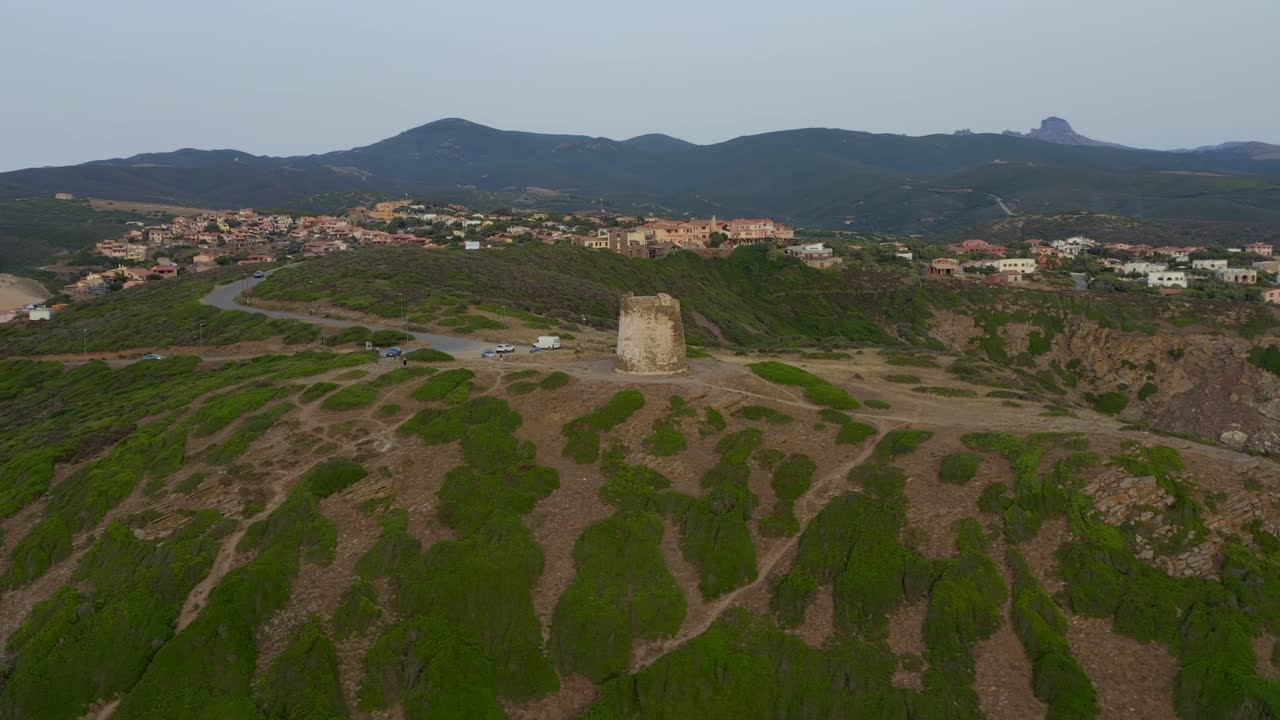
x=906 y=637
x=144 y=208
x=576 y=693
x=1003 y=678
x=1133 y=679
x=1041 y=553
x=1262 y=648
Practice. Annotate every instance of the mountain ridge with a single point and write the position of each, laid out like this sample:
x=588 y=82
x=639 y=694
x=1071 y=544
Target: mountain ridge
x=816 y=176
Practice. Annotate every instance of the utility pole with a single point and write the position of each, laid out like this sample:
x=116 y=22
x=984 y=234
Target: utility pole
x=84 y=341
x=404 y=313
x=201 y=330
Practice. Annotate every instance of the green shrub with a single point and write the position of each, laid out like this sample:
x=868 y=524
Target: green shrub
x=816 y=389
x=900 y=442
x=665 y=440
x=389 y=410
x=351 y=397
x=854 y=432
x=246 y=434
x=1110 y=403
x=1147 y=390
x=123 y=597
x=428 y=355
x=712 y=423
x=554 y=381
x=358 y=611
x=439 y=386
x=959 y=468
x=945 y=391
x=346 y=336
x=768 y=458
x=333 y=475
x=219 y=412
x=522 y=388
x=903 y=379
x=400 y=375
x=1056 y=676
x=303 y=681
x=583 y=433
x=834 y=417
x=387 y=338
x=761 y=412
x=315 y=391
x=622 y=591
x=831 y=396
x=1267 y=358
x=877 y=404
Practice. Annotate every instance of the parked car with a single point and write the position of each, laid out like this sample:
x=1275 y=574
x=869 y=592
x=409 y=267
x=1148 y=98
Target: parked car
x=259 y=274
x=394 y=352
x=153 y=356
x=488 y=354
x=506 y=347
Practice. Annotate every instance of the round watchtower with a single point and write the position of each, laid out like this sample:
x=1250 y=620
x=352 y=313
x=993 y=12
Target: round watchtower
x=651 y=336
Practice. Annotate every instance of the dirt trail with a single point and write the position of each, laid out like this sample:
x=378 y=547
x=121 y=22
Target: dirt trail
x=808 y=506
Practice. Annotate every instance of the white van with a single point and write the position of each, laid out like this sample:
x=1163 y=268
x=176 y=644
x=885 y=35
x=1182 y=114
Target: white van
x=547 y=342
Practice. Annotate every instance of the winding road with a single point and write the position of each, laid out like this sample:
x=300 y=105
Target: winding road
x=226 y=297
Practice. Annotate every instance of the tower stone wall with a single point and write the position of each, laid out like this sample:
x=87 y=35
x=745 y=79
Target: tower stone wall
x=651 y=336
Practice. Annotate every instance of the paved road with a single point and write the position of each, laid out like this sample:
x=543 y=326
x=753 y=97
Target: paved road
x=226 y=297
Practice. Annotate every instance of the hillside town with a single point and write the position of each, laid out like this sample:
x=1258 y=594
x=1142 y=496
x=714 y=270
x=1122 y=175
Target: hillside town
x=210 y=239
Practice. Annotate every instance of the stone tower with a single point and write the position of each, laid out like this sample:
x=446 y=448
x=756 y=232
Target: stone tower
x=651 y=336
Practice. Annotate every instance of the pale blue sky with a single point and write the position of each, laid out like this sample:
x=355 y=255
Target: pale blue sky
x=90 y=79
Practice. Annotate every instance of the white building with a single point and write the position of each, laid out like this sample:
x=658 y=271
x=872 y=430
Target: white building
x=1209 y=264
x=1142 y=268
x=41 y=313
x=1242 y=276
x=814 y=255
x=1167 y=278
x=1072 y=246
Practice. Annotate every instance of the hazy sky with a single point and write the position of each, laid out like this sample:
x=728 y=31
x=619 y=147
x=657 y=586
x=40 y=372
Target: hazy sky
x=91 y=79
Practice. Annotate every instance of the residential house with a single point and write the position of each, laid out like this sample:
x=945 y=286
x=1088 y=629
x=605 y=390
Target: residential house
x=1260 y=248
x=1271 y=295
x=815 y=255
x=1167 y=278
x=1006 y=277
x=1142 y=268
x=1271 y=266
x=41 y=313
x=165 y=271
x=586 y=241
x=1239 y=276
x=977 y=246
x=944 y=267
x=1208 y=264
x=1022 y=265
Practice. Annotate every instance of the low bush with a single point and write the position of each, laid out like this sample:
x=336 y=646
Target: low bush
x=903 y=379
x=945 y=391
x=959 y=468
x=1147 y=390
x=246 y=434
x=900 y=442
x=1110 y=403
x=351 y=397
x=853 y=432
x=440 y=386
x=315 y=391
x=400 y=375
x=428 y=355
x=583 y=434
x=761 y=412
x=816 y=389
x=303 y=681
x=387 y=338
x=877 y=404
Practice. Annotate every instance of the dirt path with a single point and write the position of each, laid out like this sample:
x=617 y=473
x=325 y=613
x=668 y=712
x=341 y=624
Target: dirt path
x=808 y=506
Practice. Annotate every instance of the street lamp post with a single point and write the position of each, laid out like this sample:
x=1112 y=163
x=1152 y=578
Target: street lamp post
x=201 y=330
x=84 y=341
x=404 y=313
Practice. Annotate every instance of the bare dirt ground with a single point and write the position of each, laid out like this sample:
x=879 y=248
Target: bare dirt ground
x=144 y=208
x=1133 y=679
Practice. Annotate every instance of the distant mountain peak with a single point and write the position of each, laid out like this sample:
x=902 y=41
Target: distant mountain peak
x=1058 y=131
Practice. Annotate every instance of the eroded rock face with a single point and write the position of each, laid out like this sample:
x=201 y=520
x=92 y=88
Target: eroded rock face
x=651 y=336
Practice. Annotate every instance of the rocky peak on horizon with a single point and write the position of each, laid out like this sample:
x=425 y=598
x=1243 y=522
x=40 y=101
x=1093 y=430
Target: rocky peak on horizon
x=1057 y=130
